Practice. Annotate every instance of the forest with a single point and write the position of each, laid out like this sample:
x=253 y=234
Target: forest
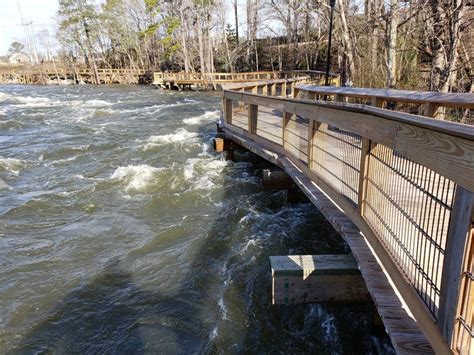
x=418 y=44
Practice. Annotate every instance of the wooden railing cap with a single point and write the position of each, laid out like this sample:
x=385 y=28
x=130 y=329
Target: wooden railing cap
x=461 y=100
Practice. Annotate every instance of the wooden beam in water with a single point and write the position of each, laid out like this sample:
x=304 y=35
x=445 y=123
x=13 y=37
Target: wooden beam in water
x=276 y=179
x=317 y=279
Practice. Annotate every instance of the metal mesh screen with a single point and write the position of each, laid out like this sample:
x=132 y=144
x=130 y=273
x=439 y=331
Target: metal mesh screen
x=409 y=206
x=296 y=137
x=269 y=124
x=336 y=157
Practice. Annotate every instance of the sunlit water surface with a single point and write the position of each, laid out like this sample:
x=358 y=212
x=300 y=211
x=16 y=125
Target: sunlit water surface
x=121 y=231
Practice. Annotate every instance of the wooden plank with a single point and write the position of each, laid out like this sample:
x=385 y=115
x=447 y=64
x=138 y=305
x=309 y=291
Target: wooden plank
x=316 y=279
x=464 y=100
x=458 y=233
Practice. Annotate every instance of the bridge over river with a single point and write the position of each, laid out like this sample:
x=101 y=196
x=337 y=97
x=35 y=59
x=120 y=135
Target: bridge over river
x=398 y=187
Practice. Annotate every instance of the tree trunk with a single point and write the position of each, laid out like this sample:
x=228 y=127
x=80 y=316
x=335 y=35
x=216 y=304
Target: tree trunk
x=392 y=27
x=236 y=15
x=184 y=44
x=347 y=43
x=91 y=53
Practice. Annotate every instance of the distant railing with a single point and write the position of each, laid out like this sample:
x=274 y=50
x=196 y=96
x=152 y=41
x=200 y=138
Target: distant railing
x=69 y=71
x=162 y=78
x=406 y=181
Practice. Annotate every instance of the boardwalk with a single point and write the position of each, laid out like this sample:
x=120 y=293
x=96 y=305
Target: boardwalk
x=58 y=75
x=214 y=81
x=397 y=187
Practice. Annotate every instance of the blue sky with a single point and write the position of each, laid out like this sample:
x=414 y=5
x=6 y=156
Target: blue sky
x=40 y=12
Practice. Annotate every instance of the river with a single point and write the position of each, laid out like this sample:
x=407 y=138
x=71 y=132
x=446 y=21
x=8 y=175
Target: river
x=121 y=231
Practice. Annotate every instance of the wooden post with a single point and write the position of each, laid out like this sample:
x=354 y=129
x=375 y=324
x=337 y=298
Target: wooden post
x=283 y=89
x=312 y=124
x=292 y=89
x=367 y=146
x=228 y=110
x=286 y=117
x=295 y=92
x=459 y=228
x=255 y=90
x=252 y=119
x=273 y=89
x=276 y=179
x=265 y=90
x=462 y=343
x=376 y=101
x=317 y=279
x=431 y=109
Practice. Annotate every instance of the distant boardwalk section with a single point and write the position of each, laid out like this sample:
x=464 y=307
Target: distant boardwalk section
x=60 y=75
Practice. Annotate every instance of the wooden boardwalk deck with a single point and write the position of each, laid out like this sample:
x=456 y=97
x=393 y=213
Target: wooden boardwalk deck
x=394 y=186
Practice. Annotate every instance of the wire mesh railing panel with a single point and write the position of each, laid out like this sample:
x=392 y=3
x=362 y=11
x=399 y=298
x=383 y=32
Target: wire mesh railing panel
x=269 y=124
x=408 y=206
x=296 y=137
x=336 y=157
x=240 y=114
x=464 y=332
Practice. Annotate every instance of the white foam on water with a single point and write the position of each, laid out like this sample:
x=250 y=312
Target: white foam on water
x=251 y=242
x=203 y=172
x=4 y=185
x=213 y=334
x=96 y=103
x=12 y=165
x=136 y=177
x=180 y=136
x=206 y=117
x=223 y=308
x=189 y=168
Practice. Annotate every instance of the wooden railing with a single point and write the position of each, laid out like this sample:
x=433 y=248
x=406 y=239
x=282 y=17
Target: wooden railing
x=70 y=71
x=421 y=102
x=225 y=78
x=406 y=181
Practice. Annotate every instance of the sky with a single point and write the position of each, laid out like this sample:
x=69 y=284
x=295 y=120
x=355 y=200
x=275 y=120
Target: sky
x=40 y=12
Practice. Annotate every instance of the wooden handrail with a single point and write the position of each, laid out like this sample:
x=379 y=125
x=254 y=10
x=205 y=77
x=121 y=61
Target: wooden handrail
x=432 y=100
x=223 y=78
x=413 y=151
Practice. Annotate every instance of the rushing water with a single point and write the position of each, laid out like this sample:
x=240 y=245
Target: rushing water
x=122 y=232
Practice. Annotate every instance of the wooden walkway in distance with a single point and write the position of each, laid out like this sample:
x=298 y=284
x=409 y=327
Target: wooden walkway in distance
x=214 y=81
x=48 y=74
x=397 y=187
